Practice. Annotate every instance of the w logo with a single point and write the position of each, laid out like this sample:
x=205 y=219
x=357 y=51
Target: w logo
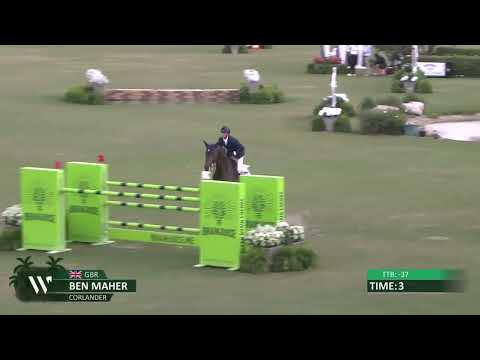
x=40 y=282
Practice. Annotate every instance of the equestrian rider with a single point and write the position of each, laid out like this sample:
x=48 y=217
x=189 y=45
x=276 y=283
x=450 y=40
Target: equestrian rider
x=235 y=149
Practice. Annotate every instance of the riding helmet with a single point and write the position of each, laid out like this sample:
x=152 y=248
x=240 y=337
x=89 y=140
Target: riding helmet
x=225 y=130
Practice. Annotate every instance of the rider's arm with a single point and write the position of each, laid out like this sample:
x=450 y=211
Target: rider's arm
x=240 y=151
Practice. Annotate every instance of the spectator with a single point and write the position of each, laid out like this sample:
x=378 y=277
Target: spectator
x=367 y=53
x=352 y=59
x=380 y=65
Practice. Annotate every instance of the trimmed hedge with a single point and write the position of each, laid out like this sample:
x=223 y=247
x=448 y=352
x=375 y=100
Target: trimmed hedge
x=367 y=103
x=317 y=123
x=343 y=124
x=293 y=259
x=83 y=94
x=424 y=87
x=254 y=261
x=326 y=68
x=377 y=122
x=449 y=51
x=264 y=95
x=288 y=258
x=468 y=66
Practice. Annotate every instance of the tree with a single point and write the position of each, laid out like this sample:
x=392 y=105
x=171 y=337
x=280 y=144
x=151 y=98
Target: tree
x=394 y=51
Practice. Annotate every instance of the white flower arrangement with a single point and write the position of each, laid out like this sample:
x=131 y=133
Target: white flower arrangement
x=330 y=111
x=251 y=75
x=268 y=236
x=96 y=77
x=411 y=78
x=12 y=215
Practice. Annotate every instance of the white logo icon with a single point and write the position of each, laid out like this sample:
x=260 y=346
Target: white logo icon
x=41 y=282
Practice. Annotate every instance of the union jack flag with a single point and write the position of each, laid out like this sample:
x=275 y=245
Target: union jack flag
x=75 y=274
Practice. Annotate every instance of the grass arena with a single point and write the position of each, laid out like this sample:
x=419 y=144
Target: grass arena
x=365 y=201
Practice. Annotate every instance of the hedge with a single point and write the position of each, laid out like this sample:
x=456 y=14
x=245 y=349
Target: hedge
x=468 y=66
x=448 y=51
x=326 y=68
x=375 y=122
x=83 y=94
x=264 y=95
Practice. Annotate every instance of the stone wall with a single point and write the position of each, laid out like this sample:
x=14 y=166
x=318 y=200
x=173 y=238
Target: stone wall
x=178 y=96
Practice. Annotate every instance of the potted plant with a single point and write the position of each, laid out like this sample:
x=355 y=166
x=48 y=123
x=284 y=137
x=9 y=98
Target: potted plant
x=330 y=116
x=409 y=82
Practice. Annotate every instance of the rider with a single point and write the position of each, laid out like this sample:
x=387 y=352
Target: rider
x=235 y=149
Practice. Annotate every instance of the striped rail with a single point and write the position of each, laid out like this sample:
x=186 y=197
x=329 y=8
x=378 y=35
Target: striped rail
x=153 y=186
x=129 y=194
x=152 y=206
x=154 y=227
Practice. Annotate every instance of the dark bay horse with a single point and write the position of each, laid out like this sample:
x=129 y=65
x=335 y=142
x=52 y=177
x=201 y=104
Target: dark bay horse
x=225 y=168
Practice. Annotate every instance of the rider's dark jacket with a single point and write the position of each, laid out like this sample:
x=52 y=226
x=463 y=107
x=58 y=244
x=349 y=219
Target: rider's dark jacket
x=232 y=145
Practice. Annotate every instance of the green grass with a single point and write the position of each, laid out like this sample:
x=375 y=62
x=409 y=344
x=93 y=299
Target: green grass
x=366 y=202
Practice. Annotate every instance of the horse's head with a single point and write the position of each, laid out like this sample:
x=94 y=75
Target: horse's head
x=212 y=154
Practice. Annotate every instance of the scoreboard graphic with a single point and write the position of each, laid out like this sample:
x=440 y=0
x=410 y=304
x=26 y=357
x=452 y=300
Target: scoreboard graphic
x=415 y=281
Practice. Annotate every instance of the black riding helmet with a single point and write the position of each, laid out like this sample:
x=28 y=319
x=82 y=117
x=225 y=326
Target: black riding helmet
x=225 y=130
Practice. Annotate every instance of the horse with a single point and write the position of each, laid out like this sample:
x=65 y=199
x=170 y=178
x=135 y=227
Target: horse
x=225 y=168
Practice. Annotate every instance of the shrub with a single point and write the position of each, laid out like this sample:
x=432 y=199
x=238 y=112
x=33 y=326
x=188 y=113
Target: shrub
x=264 y=95
x=448 y=51
x=367 y=104
x=343 y=124
x=267 y=47
x=278 y=95
x=293 y=259
x=84 y=95
x=253 y=261
x=241 y=50
x=468 y=66
x=10 y=238
x=244 y=94
x=390 y=101
x=397 y=86
x=424 y=87
x=306 y=257
x=412 y=97
x=326 y=68
x=378 y=122
x=281 y=260
x=318 y=124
